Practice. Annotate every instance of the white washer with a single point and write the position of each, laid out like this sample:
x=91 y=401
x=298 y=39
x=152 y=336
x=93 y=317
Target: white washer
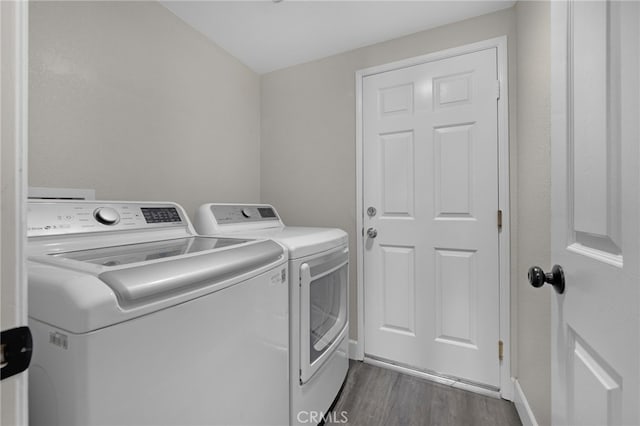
x=137 y=321
x=319 y=287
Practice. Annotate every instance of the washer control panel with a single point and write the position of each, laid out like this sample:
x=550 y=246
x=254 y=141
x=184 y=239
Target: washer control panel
x=71 y=217
x=227 y=214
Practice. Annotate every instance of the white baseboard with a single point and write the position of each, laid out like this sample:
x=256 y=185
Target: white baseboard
x=506 y=390
x=447 y=381
x=522 y=406
x=354 y=350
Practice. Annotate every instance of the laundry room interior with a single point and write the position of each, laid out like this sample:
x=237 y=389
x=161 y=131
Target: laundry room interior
x=439 y=260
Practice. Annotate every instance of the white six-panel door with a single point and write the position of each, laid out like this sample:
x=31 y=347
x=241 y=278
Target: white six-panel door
x=595 y=215
x=430 y=170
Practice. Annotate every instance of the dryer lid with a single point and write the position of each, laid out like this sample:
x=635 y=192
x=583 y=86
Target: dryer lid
x=305 y=241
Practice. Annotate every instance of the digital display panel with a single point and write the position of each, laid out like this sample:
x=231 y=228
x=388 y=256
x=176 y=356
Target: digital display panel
x=266 y=212
x=160 y=214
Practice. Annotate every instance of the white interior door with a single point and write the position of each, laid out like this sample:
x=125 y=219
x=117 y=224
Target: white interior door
x=595 y=216
x=430 y=171
x=13 y=53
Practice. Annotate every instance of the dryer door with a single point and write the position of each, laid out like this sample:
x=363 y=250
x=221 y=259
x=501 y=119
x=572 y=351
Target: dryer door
x=323 y=309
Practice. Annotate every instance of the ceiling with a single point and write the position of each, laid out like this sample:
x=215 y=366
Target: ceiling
x=267 y=36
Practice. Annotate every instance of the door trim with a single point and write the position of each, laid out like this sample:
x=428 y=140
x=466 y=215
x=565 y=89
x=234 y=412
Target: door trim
x=500 y=44
x=15 y=15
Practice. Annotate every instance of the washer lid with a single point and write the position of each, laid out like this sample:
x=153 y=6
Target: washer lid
x=150 y=271
x=150 y=281
x=143 y=252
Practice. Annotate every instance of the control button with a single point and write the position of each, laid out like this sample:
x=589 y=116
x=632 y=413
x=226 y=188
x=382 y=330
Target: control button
x=246 y=213
x=106 y=215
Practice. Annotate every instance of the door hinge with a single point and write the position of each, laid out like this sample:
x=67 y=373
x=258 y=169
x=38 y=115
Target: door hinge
x=500 y=350
x=499 y=220
x=497 y=89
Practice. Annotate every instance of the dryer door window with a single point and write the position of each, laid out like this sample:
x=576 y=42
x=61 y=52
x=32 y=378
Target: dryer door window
x=324 y=286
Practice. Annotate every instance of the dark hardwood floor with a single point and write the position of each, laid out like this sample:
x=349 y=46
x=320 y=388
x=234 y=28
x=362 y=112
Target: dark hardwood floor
x=377 y=396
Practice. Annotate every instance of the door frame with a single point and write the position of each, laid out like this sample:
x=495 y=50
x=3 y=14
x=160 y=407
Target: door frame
x=14 y=126
x=504 y=241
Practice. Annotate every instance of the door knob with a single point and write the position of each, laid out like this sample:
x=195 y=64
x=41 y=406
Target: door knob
x=15 y=351
x=537 y=277
x=371 y=211
x=372 y=233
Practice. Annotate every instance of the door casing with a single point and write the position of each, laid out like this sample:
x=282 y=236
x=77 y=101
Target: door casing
x=500 y=43
x=14 y=127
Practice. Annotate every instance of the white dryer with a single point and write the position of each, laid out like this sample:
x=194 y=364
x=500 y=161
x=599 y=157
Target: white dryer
x=137 y=321
x=319 y=287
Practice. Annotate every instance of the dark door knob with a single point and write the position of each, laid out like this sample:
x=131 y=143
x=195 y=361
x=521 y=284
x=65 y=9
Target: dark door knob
x=537 y=277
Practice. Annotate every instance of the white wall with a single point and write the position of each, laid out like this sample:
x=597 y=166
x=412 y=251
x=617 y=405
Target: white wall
x=308 y=159
x=129 y=100
x=534 y=186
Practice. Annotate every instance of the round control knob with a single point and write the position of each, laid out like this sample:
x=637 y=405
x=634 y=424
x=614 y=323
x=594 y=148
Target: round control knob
x=246 y=213
x=106 y=216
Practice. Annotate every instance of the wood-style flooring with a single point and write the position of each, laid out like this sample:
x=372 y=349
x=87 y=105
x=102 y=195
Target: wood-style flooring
x=377 y=396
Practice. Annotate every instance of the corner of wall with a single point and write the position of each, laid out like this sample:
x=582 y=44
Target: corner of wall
x=522 y=406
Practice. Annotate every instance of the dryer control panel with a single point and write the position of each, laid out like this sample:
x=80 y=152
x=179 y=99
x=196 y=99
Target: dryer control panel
x=213 y=218
x=226 y=214
x=72 y=217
